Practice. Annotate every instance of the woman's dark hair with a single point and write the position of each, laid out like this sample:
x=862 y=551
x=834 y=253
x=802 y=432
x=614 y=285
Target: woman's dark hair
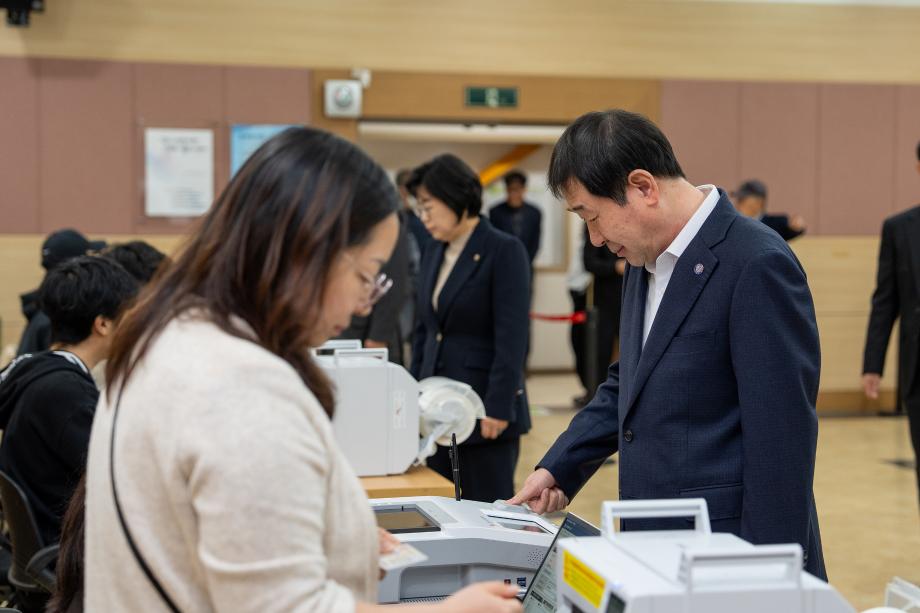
x=70 y=561
x=77 y=291
x=451 y=181
x=140 y=259
x=265 y=251
x=600 y=149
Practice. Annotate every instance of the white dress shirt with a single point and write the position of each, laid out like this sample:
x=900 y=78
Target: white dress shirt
x=659 y=272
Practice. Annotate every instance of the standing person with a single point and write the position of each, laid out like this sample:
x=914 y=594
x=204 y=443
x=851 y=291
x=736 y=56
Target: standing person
x=897 y=296
x=381 y=329
x=518 y=217
x=578 y=280
x=714 y=393
x=607 y=270
x=751 y=200
x=472 y=322
x=222 y=487
x=58 y=247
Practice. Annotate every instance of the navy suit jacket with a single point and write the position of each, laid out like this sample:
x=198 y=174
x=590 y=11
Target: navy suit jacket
x=531 y=219
x=720 y=403
x=479 y=333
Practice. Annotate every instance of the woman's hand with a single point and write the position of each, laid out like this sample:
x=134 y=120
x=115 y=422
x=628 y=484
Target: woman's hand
x=490 y=597
x=388 y=542
x=492 y=428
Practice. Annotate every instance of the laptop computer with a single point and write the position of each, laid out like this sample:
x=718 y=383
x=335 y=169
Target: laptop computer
x=541 y=594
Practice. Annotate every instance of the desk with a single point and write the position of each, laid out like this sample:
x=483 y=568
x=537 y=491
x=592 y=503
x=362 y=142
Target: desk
x=417 y=481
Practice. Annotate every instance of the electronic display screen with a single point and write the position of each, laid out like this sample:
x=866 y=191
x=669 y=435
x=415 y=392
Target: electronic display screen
x=405 y=519
x=541 y=595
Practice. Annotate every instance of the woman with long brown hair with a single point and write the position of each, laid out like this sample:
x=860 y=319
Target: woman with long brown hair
x=213 y=481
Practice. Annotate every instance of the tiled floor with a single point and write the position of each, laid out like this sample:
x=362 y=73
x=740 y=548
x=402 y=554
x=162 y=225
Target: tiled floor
x=870 y=523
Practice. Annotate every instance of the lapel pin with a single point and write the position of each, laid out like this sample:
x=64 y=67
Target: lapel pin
x=476 y=257
x=698 y=269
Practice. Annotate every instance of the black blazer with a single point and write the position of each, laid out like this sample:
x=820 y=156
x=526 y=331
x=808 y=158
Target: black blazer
x=897 y=294
x=531 y=220
x=479 y=333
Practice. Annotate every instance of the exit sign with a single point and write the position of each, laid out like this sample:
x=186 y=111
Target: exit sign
x=492 y=97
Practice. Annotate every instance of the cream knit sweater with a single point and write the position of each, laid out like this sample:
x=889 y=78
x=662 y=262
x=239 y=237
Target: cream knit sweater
x=232 y=486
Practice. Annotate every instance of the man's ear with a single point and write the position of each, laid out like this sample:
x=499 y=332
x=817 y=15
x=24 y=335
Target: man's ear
x=645 y=184
x=103 y=326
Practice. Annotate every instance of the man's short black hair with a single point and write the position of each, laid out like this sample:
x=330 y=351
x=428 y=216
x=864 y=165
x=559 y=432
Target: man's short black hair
x=74 y=293
x=139 y=258
x=451 y=181
x=600 y=149
x=515 y=176
x=402 y=177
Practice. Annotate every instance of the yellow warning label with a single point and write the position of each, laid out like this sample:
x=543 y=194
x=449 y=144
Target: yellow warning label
x=582 y=579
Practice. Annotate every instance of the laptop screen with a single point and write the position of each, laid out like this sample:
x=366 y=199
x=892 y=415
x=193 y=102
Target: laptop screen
x=541 y=595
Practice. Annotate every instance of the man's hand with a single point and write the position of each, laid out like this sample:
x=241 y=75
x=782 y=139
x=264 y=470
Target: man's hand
x=492 y=428
x=797 y=223
x=541 y=493
x=371 y=344
x=870 y=383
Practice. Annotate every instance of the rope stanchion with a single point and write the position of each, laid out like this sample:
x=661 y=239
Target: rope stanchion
x=578 y=317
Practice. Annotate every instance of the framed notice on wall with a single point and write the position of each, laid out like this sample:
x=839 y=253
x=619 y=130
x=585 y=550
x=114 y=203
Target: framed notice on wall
x=178 y=171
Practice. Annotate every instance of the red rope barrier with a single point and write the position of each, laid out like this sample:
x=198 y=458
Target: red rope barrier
x=578 y=317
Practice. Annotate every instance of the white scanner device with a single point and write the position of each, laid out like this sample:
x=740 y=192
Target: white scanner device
x=685 y=571
x=465 y=541
x=376 y=421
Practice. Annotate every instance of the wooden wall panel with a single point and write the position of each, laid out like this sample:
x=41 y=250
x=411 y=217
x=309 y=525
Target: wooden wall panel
x=702 y=120
x=907 y=131
x=19 y=168
x=86 y=146
x=267 y=95
x=687 y=39
x=856 y=153
x=779 y=145
x=440 y=97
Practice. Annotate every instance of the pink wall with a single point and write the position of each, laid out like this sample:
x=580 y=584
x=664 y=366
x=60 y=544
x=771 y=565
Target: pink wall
x=71 y=134
x=843 y=156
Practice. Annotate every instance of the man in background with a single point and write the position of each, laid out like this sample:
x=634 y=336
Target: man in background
x=518 y=217
x=58 y=247
x=897 y=295
x=751 y=200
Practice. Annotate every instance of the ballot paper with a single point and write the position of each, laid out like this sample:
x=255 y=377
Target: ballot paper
x=404 y=555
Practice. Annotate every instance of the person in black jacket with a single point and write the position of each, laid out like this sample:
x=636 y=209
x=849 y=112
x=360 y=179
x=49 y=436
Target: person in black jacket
x=474 y=291
x=518 y=217
x=751 y=200
x=48 y=399
x=58 y=247
x=381 y=327
x=897 y=295
x=606 y=292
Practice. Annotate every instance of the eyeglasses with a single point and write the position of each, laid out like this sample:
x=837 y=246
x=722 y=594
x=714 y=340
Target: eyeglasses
x=422 y=210
x=374 y=287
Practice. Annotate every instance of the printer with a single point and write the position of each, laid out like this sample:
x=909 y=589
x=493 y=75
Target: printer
x=465 y=541
x=686 y=571
x=376 y=422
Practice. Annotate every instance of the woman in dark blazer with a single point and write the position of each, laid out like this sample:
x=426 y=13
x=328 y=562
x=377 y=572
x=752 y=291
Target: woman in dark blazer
x=472 y=321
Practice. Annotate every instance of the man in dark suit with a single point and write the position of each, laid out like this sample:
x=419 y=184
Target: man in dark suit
x=751 y=200
x=714 y=393
x=897 y=295
x=517 y=217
